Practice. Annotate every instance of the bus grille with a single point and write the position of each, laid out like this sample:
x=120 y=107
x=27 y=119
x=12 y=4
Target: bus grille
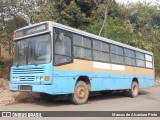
x=28 y=71
x=26 y=78
x=27 y=74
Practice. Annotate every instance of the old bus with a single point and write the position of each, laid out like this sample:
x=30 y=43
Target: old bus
x=54 y=59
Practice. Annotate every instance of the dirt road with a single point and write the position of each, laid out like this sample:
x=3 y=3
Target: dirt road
x=148 y=100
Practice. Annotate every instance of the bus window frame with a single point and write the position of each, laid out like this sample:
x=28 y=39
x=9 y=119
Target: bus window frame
x=101 y=51
x=82 y=58
x=68 y=34
x=130 y=57
x=28 y=37
x=117 y=54
x=149 y=61
x=140 y=59
x=92 y=58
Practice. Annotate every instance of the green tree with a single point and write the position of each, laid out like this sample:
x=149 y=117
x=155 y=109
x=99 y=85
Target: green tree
x=9 y=21
x=69 y=13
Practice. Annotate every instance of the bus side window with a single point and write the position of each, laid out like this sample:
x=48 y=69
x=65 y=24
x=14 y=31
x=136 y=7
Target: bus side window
x=117 y=54
x=149 y=60
x=129 y=57
x=62 y=49
x=82 y=47
x=100 y=51
x=140 y=60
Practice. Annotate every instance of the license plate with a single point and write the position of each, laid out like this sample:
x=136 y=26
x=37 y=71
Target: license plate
x=25 y=87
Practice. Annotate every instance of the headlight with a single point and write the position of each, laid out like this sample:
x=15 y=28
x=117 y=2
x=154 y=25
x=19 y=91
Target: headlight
x=41 y=78
x=15 y=78
x=38 y=78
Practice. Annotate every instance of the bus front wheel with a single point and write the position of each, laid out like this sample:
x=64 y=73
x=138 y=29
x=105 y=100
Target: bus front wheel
x=81 y=93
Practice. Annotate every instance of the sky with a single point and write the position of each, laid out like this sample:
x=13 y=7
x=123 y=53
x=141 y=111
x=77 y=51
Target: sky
x=126 y=1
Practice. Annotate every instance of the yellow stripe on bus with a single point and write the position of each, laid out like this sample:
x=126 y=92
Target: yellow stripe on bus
x=87 y=66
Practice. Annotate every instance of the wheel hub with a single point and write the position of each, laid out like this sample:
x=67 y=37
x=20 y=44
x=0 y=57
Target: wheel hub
x=135 y=89
x=80 y=92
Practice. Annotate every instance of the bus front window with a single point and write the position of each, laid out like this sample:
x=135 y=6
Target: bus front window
x=33 y=51
x=21 y=52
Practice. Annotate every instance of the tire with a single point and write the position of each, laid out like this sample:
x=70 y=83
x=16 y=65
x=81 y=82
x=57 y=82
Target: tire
x=81 y=93
x=47 y=97
x=133 y=92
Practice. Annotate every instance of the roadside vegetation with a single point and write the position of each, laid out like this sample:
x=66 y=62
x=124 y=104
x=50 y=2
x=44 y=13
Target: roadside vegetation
x=5 y=68
x=136 y=24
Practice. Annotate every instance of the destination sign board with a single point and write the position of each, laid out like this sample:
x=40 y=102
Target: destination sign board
x=31 y=30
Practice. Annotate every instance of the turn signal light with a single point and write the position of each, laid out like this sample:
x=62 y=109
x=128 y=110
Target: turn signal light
x=47 y=78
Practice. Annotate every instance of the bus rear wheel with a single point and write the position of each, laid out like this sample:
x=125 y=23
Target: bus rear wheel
x=133 y=92
x=81 y=93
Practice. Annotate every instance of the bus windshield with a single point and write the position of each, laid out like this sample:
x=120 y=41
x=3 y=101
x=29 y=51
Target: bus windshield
x=33 y=51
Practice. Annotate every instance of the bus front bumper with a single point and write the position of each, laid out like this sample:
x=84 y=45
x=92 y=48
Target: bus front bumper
x=31 y=88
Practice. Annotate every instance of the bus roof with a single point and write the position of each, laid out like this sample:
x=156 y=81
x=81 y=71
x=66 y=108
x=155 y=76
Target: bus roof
x=80 y=32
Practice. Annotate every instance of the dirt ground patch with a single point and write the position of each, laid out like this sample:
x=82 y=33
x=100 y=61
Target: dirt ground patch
x=7 y=97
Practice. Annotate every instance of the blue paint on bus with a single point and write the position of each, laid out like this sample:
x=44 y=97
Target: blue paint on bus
x=64 y=81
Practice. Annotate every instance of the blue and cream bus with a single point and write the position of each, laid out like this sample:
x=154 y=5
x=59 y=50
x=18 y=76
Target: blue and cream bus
x=54 y=59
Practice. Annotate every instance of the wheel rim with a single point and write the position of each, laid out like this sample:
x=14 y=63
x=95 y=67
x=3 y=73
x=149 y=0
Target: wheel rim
x=80 y=92
x=135 y=89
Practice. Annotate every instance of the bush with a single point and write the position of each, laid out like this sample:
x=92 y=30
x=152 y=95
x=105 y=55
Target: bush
x=5 y=68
